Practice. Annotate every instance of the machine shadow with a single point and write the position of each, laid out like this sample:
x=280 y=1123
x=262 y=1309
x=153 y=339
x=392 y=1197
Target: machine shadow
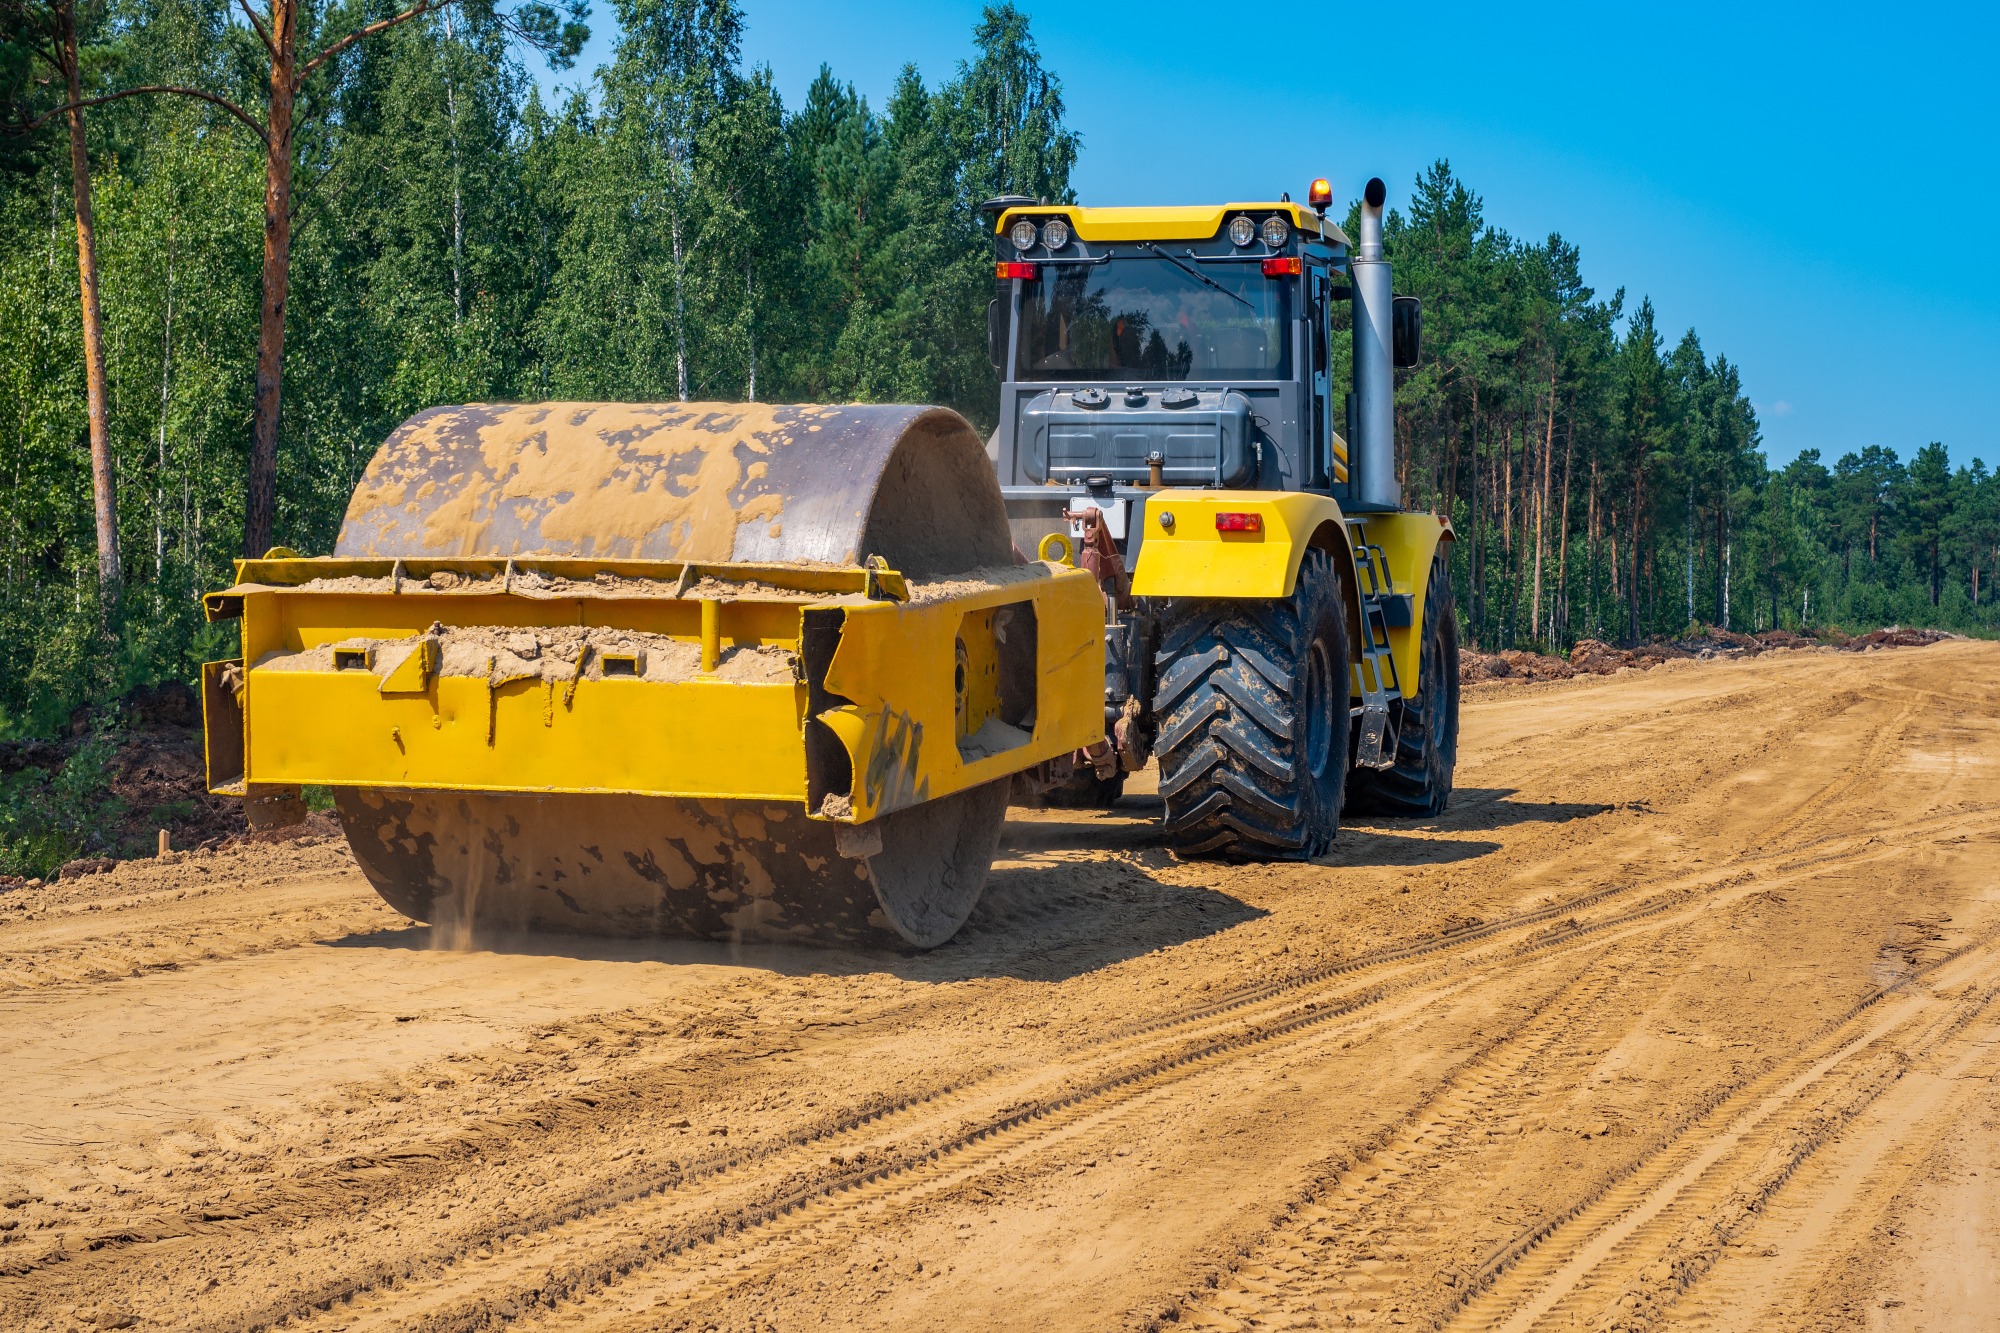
x=1039 y=920
x=1050 y=914
x=1364 y=847
x=1495 y=808
x=1131 y=829
x=1131 y=826
x=1055 y=920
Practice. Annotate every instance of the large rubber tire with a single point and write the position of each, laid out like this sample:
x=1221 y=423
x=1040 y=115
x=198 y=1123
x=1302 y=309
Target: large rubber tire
x=1253 y=712
x=1419 y=786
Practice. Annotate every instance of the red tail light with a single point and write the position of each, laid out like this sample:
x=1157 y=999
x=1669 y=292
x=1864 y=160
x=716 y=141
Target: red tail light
x=1025 y=272
x=1239 y=522
x=1288 y=266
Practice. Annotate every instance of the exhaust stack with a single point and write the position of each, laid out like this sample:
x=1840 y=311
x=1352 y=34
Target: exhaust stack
x=1374 y=448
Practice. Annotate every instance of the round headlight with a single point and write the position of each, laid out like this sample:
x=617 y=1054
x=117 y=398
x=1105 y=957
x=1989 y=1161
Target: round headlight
x=1276 y=231
x=1022 y=234
x=1242 y=231
x=1055 y=233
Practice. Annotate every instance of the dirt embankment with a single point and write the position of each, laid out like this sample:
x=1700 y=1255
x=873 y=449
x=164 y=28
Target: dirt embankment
x=105 y=796
x=1685 y=1015
x=1594 y=657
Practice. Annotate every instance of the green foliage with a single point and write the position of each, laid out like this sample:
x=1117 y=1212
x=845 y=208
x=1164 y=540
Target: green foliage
x=673 y=230
x=47 y=818
x=1604 y=484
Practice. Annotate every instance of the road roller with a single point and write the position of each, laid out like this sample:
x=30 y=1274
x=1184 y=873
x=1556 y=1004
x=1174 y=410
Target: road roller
x=751 y=672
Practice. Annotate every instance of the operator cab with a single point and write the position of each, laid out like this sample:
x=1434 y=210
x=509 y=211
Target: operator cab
x=1148 y=347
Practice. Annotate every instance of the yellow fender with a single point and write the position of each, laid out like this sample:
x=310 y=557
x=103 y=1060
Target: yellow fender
x=1186 y=554
x=1408 y=543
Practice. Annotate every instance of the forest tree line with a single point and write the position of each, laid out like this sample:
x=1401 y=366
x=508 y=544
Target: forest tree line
x=1606 y=480
x=443 y=232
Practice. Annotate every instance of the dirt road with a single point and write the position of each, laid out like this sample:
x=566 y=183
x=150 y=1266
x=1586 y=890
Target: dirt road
x=1688 y=1014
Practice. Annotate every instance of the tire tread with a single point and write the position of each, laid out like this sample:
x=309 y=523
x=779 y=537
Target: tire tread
x=1230 y=767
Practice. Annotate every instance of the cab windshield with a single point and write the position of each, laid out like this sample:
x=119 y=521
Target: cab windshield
x=1153 y=319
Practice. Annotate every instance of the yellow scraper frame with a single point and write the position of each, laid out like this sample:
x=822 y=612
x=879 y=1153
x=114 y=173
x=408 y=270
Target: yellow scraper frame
x=878 y=716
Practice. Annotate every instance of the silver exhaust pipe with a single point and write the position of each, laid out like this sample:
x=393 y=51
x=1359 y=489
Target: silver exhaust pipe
x=1373 y=452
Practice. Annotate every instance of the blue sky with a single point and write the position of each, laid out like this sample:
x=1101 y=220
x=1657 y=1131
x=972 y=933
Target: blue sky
x=1809 y=186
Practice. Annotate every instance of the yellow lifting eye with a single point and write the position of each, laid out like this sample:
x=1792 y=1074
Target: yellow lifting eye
x=1056 y=547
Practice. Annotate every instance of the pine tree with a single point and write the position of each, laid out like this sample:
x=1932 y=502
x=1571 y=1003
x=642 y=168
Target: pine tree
x=670 y=227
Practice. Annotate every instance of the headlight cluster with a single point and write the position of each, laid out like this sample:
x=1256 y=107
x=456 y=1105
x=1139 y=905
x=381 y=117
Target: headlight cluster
x=1275 y=231
x=1054 y=234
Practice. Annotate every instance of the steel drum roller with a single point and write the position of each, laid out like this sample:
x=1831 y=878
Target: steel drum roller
x=685 y=482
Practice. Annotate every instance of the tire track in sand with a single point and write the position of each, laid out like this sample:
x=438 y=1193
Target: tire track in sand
x=1867 y=767
x=717 y=1264
x=911 y=1137
x=1342 y=1252
x=353 y=1191
x=109 y=939
x=1653 y=1232
x=1289 y=1269
x=1815 y=1252
x=921 y=1148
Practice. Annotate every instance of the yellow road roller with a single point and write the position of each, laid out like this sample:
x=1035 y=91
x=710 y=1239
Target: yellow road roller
x=740 y=671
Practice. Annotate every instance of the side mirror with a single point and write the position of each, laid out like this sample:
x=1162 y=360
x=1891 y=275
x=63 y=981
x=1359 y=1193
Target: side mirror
x=996 y=333
x=1407 y=320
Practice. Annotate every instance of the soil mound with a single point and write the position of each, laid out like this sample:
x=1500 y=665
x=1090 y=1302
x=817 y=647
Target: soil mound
x=1594 y=657
x=1895 y=636
x=1512 y=664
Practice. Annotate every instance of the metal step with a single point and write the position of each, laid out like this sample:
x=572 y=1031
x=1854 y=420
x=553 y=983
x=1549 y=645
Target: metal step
x=1375 y=671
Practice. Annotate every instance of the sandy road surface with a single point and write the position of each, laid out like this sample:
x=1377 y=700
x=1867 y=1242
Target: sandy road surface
x=1688 y=1014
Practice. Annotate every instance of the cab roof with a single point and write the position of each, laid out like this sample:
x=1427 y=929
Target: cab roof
x=1184 y=223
